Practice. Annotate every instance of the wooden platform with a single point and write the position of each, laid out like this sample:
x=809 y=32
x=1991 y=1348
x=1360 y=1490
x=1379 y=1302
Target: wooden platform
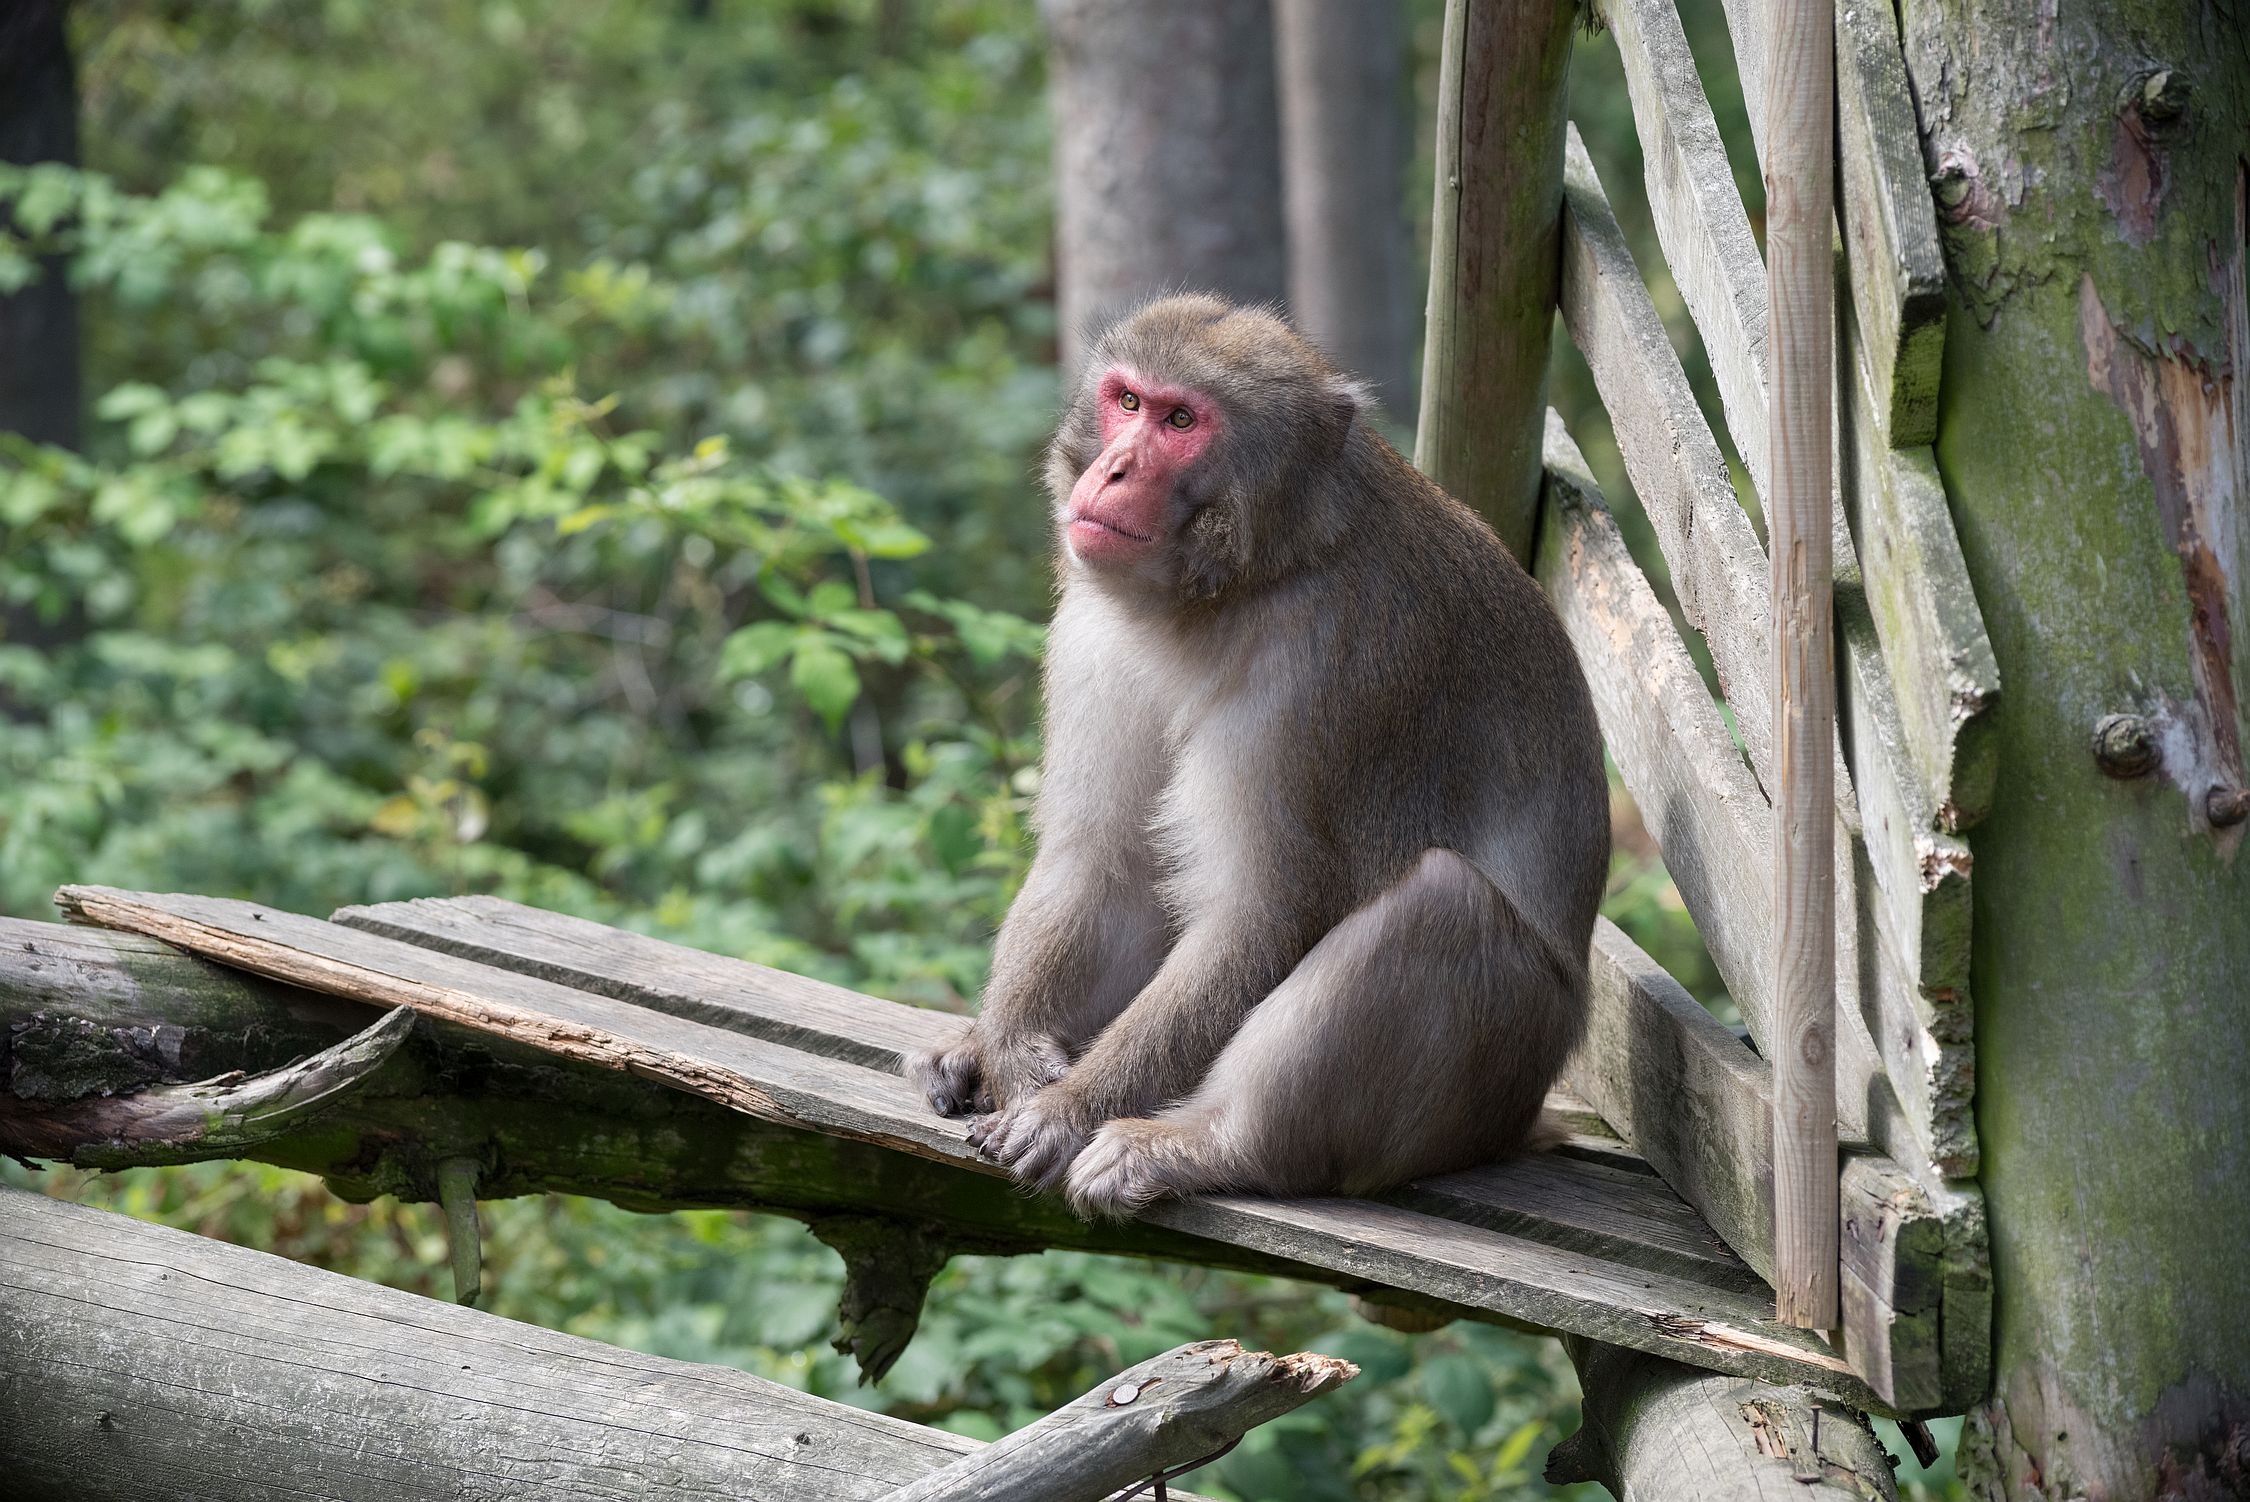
x=1584 y=1241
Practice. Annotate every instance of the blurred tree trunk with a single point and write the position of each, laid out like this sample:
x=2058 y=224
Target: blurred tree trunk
x=1167 y=156
x=1346 y=111
x=2092 y=178
x=39 y=394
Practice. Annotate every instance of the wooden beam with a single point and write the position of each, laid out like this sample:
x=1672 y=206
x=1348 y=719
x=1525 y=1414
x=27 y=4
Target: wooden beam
x=1501 y=1275
x=1801 y=330
x=1924 y=610
x=1165 y=1415
x=146 y=1361
x=1493 y=233
x=1654 y=1429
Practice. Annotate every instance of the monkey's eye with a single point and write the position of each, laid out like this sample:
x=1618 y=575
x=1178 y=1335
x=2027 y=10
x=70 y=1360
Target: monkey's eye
x=1129 y=402
x=1181 y=418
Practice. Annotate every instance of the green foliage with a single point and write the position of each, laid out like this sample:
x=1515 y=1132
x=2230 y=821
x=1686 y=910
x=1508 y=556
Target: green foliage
x=679 y=572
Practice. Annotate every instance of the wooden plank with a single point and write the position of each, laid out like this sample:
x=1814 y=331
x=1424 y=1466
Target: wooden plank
x=756 y=1000
x=1888 y=217
x=1502 y=71
x=1801 y=333
x=1714 y=261
x=149 y=1362
x=1719 y=573
x=1924 y=609
x=1712 y=822
x=1169 y=1413
x=1699 y=216
x=1508 y=1276
x=1887 y=213
x=1698 y=1104
x=1718 y=565
x=1910 y=911
x=1681 y=1089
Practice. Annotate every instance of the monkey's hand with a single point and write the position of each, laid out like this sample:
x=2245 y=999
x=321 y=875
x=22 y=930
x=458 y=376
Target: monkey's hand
x=1036 y=1139
x=987 y=1068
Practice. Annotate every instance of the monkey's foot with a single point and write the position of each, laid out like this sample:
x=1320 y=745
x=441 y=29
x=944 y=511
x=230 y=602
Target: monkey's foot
x=979 y=1073
x=1135 y=1161
x=1035 y=1140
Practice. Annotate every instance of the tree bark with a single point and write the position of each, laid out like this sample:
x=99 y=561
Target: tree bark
x=2095 y=440
x=1167 y=157
x=39 y=379
x=1346 y=109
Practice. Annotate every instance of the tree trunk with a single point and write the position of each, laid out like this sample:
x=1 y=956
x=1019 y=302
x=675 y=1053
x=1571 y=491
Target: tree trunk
x=1345 y=117
x=1167 y=157
x=2095 y=439
x=39 y=325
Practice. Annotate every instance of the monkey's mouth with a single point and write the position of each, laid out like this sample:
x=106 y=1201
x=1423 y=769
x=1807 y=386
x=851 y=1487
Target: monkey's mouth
x=1084 y=519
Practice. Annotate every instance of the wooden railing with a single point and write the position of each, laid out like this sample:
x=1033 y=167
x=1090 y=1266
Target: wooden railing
x=1915 y=675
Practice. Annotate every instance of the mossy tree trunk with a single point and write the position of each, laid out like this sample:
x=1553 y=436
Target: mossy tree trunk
x=2090 y=162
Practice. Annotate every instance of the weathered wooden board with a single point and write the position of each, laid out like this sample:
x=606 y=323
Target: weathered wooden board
x=148 y=1362
x=756 y=1000
x=1508 y=1276
x=1697 y=798
x=1719 y=573
x=1933 y=635
x=1924 y=609
x=1682 y=1090
x=1887 y=214
x=1718 y=565
x=1699 y=216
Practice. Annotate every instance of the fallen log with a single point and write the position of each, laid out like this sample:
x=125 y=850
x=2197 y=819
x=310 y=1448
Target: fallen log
x=138 y=1361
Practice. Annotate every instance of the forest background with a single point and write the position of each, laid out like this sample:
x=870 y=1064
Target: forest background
x=585 y=451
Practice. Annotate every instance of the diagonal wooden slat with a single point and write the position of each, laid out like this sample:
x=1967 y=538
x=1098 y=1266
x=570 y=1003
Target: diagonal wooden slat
x=1495 y=1273
x=1902 y=881
x=1683 y=1091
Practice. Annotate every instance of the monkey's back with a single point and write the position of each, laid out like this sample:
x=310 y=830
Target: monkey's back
x=1461 y=718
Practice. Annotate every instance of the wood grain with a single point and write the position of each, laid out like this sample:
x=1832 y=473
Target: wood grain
x=1801 y=328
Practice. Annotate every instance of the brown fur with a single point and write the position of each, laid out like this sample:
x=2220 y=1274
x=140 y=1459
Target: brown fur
x=1323 y=826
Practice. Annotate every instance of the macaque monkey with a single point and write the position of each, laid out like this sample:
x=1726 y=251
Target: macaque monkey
x=1323 y=822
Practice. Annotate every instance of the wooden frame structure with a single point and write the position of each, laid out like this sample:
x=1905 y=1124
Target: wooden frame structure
x=1661 y=1227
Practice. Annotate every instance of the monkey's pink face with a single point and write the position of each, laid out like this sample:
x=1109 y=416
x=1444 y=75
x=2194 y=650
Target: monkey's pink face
x=1121 y=509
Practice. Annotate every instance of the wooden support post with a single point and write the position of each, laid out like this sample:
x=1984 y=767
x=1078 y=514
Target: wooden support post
x=457 y=1194
x=1495 y=257
x=1656 y=1429
x=1800 y=281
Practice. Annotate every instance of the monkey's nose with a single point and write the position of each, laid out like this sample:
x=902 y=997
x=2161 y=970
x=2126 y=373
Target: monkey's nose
x=1120 y=465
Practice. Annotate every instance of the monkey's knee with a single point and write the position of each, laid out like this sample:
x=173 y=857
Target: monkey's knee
x=1135 y=1161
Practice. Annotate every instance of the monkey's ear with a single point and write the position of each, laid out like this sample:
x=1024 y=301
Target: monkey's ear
x=1348 y=399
